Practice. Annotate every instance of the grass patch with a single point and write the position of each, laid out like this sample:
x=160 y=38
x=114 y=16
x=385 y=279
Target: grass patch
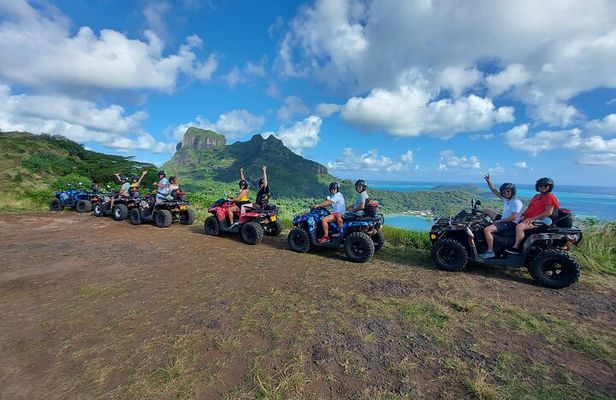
x=403 y=237
x=597 y=251
x=480 y=388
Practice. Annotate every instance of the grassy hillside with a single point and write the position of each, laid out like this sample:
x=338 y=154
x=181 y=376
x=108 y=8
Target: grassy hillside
x=33 y=166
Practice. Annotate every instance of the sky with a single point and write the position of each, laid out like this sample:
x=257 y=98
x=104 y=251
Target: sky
x=426 y=90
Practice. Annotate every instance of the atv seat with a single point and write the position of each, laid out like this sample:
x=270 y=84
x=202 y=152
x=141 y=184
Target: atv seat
x=357 y=216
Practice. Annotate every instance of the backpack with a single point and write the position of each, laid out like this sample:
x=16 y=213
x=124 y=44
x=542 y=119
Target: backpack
x=371 y=208
x=563 y=218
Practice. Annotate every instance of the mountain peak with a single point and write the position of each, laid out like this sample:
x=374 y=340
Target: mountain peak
x=201 y=139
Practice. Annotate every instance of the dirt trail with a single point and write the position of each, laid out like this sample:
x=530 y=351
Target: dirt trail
x=93 y=308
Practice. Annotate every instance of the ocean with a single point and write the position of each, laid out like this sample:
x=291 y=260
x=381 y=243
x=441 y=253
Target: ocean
x=597 y=202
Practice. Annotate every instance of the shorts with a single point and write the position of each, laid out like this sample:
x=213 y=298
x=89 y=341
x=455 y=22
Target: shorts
x=543 y=221
x=505 y=226
x=241 y=203
x=337 y=214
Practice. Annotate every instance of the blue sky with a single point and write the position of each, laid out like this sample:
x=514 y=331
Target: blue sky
x=392 y=90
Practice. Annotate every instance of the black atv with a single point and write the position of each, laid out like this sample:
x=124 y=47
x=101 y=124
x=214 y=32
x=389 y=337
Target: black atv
x=161 y=212
x=121 y=206
x=457 y=240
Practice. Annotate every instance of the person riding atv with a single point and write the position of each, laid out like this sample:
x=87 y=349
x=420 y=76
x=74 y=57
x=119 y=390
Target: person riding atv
x=544 y=252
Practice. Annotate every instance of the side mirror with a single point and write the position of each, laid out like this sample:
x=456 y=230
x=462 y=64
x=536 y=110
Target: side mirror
x=80 y=183
x=477 y=202
x=329 y=197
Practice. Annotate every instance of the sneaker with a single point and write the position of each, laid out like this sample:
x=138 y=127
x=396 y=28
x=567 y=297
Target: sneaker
x=323 y=239
x=487 y=254
x=234 y=225
x=513 y=250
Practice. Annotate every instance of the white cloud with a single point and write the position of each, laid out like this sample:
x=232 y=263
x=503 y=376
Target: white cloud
x=249 y=72
x=293 y=106
x=501 y=82
x=364 y=44
x=302 y=135
x=154 y=13
x=414 y=109
x=370 y=161
x=46 y=55
x=327 y=109
x=232 y=124
x=78 y=120
x=481 y=136
x=521 y=164
x=520 y=138
x=601 y=159
x=448 y=160
x=605 y=126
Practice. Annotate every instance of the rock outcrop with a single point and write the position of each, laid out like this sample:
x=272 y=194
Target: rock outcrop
x=200 y=139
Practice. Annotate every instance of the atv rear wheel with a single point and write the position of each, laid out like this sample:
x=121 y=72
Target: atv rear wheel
x=449 y=254
x=120 y=212
x=163 y=218
x=252 y=233
x=379 y=240
x=135 y=216
x=99 y=209
x=56 y=205
x=83 y=206
x=273 y=228
x=298 y=240
x=554 y=269
x=358 y=247
x=187 y=217
x=211 y=227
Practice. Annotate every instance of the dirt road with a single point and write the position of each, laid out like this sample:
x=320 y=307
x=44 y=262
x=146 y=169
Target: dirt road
x=93 y=308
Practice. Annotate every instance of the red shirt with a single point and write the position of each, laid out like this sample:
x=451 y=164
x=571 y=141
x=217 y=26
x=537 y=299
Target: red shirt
x=539 y=202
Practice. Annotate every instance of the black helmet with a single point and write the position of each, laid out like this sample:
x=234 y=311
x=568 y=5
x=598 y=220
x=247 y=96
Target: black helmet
x=360 y=183
x=94 y=187
x=124 y=179
x=243 y=184
x=134 y=178
x=161 y=172
x=544 y=182
x=334 y=185
x=505 y=186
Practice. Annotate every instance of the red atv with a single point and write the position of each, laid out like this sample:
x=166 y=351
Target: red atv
x=251 y=225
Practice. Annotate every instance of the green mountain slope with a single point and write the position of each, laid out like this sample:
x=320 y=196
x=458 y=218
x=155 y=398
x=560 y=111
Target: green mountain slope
x=290 y=174
x=33 y=166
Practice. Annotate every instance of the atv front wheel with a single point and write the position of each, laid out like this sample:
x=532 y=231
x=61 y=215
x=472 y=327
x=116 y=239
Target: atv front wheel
x=135 y=216
x=211 y=227
x=99 y=209
x=163 y=218
x=298 y=240
x=120 y=212
x=379 y=240
x=449 y=254
x=554 y=269
x=252 y=233
x=359 y=247
x=187 y=217
x=273 y=228
x=83 y=206
x=55 y=205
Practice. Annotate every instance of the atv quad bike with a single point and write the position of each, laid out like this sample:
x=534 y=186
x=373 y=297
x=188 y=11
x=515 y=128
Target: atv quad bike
x=251 y=225
x=360 y=235
x=121 y=207
x=78 y=199
x=460 y=239
x=161 y=212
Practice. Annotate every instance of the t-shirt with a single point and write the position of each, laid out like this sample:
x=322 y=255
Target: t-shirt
x=511 y=206
x=163 y=186
x=262 y=195
x=361 y=199
x=338 y=203
x=125 y=188
x=539 y=202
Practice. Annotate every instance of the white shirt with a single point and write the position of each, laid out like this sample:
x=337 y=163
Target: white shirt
x=511 y=206
x=338 y=203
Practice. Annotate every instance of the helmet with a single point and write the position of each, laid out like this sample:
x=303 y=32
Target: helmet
x=544 y=181
x=134 y=178
x=505 y=186
x=124 y=179
x=243 y=184
x=334 y=186
x=94 y=187
x=161 y=172
x=361 y=184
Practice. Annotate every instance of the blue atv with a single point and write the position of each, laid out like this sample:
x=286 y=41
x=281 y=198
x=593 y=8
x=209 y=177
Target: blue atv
x=360 y=235
x=78 y=199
